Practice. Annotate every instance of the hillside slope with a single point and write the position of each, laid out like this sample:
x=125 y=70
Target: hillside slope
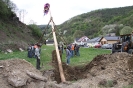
x=98 y=22
x=15 y=34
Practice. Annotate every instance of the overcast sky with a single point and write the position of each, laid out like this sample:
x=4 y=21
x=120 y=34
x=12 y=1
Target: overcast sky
x=62 y=10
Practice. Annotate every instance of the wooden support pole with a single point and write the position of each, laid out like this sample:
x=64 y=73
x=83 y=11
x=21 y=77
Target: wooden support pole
x=60 y=35
x=58 y=54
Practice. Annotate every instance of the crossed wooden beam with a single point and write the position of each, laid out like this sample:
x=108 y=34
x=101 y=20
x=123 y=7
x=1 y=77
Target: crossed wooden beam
x=56 y=48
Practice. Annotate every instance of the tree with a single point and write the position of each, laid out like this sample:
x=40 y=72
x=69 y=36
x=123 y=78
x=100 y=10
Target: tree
x=4 y=9
x=10 y=5
x=126 y=30
x=69 y=39
x=78 y=34
x=36 y=31
x=7 y=8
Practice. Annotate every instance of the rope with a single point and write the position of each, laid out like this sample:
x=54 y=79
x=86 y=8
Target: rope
x=61 y=37
x=44 y=31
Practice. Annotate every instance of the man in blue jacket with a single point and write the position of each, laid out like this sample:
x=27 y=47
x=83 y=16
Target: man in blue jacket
x=68 y=55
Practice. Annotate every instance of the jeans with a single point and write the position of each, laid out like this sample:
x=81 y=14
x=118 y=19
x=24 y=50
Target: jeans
x=72 y=52
x=68 y=59
x=37 y=62
x=77 y=53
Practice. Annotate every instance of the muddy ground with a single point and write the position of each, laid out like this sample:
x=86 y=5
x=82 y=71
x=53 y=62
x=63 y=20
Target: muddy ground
x=108 y=70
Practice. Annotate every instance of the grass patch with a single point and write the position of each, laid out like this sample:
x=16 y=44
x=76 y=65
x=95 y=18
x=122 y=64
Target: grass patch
x=86 y=55
x=129 y=86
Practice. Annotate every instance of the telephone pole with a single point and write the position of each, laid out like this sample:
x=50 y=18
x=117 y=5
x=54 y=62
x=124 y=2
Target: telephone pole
x=22 y=14
x=20 y=11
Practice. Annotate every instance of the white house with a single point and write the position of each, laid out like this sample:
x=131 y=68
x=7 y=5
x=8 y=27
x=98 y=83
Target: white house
x=81 y=41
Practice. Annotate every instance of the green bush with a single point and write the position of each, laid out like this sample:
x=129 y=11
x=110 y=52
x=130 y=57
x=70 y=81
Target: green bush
x=36 y=31
x=126 y=30
x=5 y=11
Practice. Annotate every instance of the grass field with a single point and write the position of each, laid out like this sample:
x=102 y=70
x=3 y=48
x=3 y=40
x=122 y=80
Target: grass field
x=86 y=55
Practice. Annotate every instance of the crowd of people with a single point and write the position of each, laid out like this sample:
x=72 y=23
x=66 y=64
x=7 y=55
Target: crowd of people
x=34 y=51
x=74 y=49
x=71 y=51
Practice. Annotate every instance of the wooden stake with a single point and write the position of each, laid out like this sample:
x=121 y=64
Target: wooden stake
x=58 y=54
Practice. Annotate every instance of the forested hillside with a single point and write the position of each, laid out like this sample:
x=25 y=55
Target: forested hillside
x=13 y=33
x=98 y=23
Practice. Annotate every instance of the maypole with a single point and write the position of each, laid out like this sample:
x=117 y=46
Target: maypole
x=46 y=10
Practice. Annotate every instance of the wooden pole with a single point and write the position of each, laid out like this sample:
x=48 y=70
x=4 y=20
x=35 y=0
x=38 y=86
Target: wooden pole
x=60 y=35
x=58 y=54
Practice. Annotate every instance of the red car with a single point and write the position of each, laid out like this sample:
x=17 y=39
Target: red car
x=97 y=46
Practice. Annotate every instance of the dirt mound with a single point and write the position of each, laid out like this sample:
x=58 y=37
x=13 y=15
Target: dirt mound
x=110 y=70
x=18 y=73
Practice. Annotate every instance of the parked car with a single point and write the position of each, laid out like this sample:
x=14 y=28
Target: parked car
x=110 y=46
x=97 y=46
x=90 y=45
x=106 y=46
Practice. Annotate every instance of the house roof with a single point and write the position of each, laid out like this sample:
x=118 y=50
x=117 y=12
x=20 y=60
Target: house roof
x=50 y=42
x=83 y=39
x=110 y=38
x=97 y=39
